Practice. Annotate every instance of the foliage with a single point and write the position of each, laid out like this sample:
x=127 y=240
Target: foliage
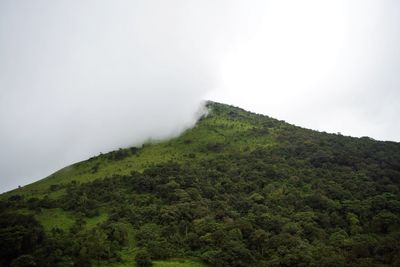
x=143 y=258
x=239 y=189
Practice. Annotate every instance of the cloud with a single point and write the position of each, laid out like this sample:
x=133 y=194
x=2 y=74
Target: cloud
x=79 y=78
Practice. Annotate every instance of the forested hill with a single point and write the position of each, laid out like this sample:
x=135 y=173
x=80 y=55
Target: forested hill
x=238 y=189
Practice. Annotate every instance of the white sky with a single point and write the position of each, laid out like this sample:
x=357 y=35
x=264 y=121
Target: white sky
x=327 y=65
x=82 y=77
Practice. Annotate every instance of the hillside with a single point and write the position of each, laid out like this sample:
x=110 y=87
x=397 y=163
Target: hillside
x=238 y=189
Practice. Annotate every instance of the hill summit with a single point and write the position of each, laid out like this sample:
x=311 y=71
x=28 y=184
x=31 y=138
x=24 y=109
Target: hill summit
x=237 y=189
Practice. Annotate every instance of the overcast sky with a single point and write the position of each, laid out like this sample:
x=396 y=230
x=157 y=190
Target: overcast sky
x=82 y=77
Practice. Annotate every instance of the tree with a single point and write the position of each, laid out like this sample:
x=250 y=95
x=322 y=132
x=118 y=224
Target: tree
x=143 y=258
x=23 y=261
x=19 y=235
x=384 y=220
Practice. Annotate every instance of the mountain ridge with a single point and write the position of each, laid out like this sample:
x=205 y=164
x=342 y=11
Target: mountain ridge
x=237 y=189
x=209 y=104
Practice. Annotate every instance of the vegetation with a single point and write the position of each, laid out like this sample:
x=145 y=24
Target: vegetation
x=239 y=189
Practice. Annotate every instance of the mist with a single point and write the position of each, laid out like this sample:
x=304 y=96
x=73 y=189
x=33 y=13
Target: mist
x=82 y=77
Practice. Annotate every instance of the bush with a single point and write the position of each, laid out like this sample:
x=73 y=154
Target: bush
x=143 y=258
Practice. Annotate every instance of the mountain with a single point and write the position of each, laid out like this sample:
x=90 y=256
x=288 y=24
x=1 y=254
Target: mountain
x=238 y=189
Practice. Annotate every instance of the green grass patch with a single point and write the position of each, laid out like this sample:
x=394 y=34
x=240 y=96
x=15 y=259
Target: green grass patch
x=92 y=222
x=55 y=218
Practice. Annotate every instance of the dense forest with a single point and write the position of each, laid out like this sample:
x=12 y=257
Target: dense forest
x=238 y=189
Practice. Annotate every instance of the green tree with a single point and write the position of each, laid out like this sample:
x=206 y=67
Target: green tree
x=143 y=258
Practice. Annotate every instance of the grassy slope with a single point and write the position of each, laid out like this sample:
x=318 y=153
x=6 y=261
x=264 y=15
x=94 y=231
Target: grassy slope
x=51 y=218
x=212 y=129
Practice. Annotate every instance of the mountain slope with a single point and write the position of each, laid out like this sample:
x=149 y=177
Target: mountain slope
x=219 y=127
x=238 y=189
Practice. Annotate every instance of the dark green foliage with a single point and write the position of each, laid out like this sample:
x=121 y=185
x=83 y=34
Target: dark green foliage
x=119 y=154
x=134 y=150
x=24 y=261
x=301 y=199
x=19 y=235
x=149 y=237
x=54 y=187
x=143 y=258
x=214 y=147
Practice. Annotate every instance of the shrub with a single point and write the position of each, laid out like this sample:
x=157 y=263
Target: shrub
x=143 y=258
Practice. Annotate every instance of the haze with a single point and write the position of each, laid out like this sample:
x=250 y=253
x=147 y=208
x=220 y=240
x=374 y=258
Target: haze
x=82 y=77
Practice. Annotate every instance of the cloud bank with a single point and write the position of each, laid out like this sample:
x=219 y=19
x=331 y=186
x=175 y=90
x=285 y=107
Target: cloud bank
x=82 y=77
